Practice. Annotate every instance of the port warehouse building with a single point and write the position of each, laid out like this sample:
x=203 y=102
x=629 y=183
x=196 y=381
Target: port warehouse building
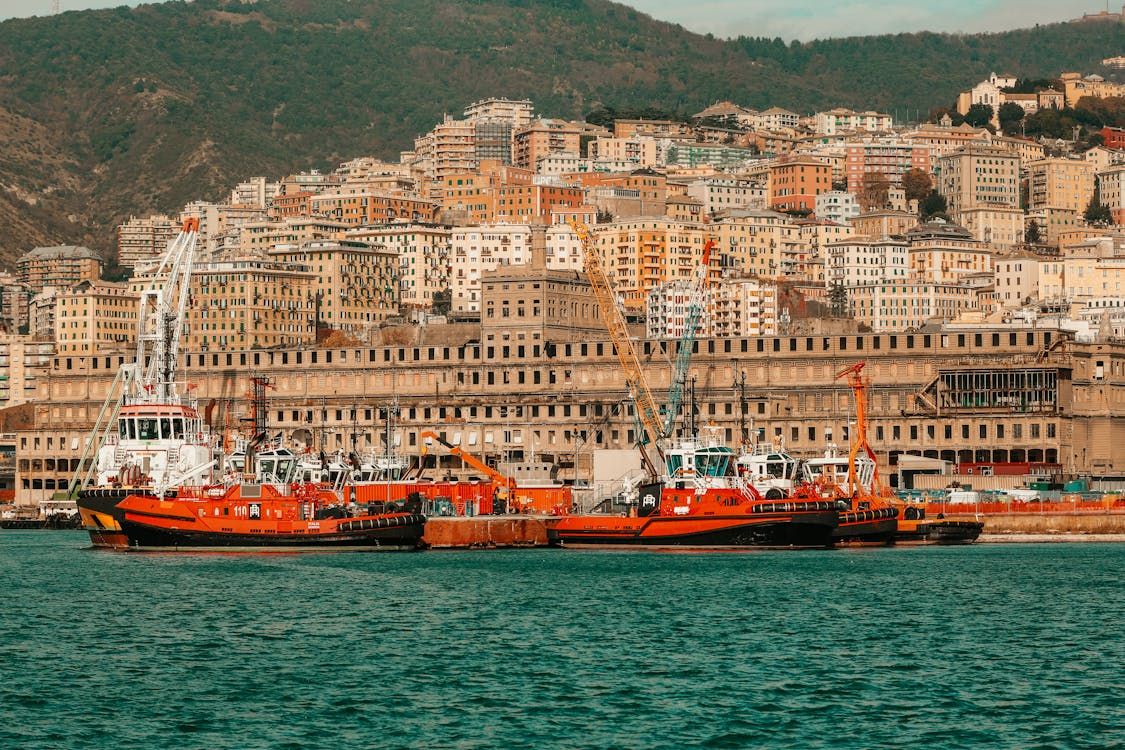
x=1004 y=395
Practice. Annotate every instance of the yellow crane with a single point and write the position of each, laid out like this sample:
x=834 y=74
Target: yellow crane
x=648 y=414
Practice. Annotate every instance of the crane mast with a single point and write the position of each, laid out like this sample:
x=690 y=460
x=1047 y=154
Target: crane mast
x=648 y=414
x=687 y=339
x=160 y=319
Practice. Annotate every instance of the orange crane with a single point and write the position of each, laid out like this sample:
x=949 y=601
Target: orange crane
x=859 y=385
x=503 y=483
x=648 y=414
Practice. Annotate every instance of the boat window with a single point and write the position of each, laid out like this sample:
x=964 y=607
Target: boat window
x=165 y=428
x=147 y=429
x=267 y=465
x=776 y=469
x=712 y=464
x=675 y=463
x=132 y=424
x=122 y=428
x=178 y=429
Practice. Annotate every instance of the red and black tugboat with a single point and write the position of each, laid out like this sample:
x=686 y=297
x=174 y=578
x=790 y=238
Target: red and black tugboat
x=702 y=504
x=160 y=480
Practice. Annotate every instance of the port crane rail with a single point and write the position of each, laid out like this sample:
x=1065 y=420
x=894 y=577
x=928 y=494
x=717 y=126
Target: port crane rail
x=652 y=432
x=686 y=347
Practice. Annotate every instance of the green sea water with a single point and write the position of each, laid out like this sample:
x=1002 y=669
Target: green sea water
x=1006 y=646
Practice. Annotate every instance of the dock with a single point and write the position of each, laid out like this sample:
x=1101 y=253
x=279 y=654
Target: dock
x=485 y=532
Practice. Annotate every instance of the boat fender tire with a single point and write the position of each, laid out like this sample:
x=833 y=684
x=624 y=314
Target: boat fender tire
x=774 y=493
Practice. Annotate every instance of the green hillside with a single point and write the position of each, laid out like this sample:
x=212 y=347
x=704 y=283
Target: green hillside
x=107 y=113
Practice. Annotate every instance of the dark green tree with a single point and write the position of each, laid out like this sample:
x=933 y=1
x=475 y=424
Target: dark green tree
x=1097 y=213
x=443 y=302
x=1010 y=114
x=1032 y=235
x=979 y=115
x=838 y=300
x=932 y=206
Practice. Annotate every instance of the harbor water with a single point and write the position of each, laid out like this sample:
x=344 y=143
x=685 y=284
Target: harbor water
x=984 y=646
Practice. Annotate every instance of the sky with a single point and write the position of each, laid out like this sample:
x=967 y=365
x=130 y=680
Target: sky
x=788 y=19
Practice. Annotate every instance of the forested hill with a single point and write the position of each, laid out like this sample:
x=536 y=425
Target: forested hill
x=111 y=112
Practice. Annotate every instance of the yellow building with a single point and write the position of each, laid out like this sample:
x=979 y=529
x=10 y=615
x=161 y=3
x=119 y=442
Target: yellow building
x=758 y=243
x=946 y=253
x=1075 y=87
x=95 y=315
x=60 y=266
x=260 y=237
x=1066 y=184
x=423 y=252
x=642 y=253
x=357 y=284
x=250 y=304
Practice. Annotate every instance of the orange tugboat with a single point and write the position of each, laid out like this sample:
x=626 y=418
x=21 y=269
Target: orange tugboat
x=702 y=505
x=152 y=480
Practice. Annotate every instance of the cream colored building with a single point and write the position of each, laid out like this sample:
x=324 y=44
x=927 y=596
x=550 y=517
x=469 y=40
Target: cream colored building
x=976 y=176
x=1111 y=191
x=907 y=304
x=259 y=237
x=1065 y=184
x=250 y=304
x=357 y=284
x=1016 y=279
x=946 y=253
x=640 y=150
x=144 y=239
x=95 y=315
x=757 y=243
x=476 y=249
x=865 y=260
x=1081 y=278
x=996 y=226
x=743 y=307
x=60 y=266
x=424 y=258
x=24 y=364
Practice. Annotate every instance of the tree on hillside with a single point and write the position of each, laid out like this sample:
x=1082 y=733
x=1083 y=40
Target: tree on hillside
x=1010 y=114
x=1032 y=236
x=979 y=116
x=933 y=206
x=917 y=184
x=876 y=188
x=1097 y=213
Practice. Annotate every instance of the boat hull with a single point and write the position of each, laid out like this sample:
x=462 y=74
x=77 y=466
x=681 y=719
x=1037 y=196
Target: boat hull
x=804 y=530
x=938 y=532
x=403 y=534
x=871 y=528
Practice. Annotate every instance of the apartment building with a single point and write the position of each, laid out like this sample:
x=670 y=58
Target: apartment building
x=95 y=315
x=639 y=151
x=842 y=120
x=997 y=226
x=946 y=253
x=1111 y=191
x=477 y=249
x=14 y=300
x=976 y=176
x=889 y=157
x=542 y=137
x=775 y=119
x=257 y=192
x=250 y=303
x=1016 y=279
x=907 y=304
x=639 y=254
x=356 y=284
x=721 y=193
x=1061 y=184
x=796 y=181
x=259 y=237
x=836 y=205
x=944 y=139
x=58 y=266
x=866 y=260
x=25 y=363
x=743 y=306
x=757 y=243
x=362 y=207
x=144 y=239
x=423 y=252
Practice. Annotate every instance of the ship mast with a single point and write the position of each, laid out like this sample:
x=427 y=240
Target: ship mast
x=160 y=319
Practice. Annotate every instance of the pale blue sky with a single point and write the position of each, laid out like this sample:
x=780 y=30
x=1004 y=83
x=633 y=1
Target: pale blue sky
x=789 y=19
